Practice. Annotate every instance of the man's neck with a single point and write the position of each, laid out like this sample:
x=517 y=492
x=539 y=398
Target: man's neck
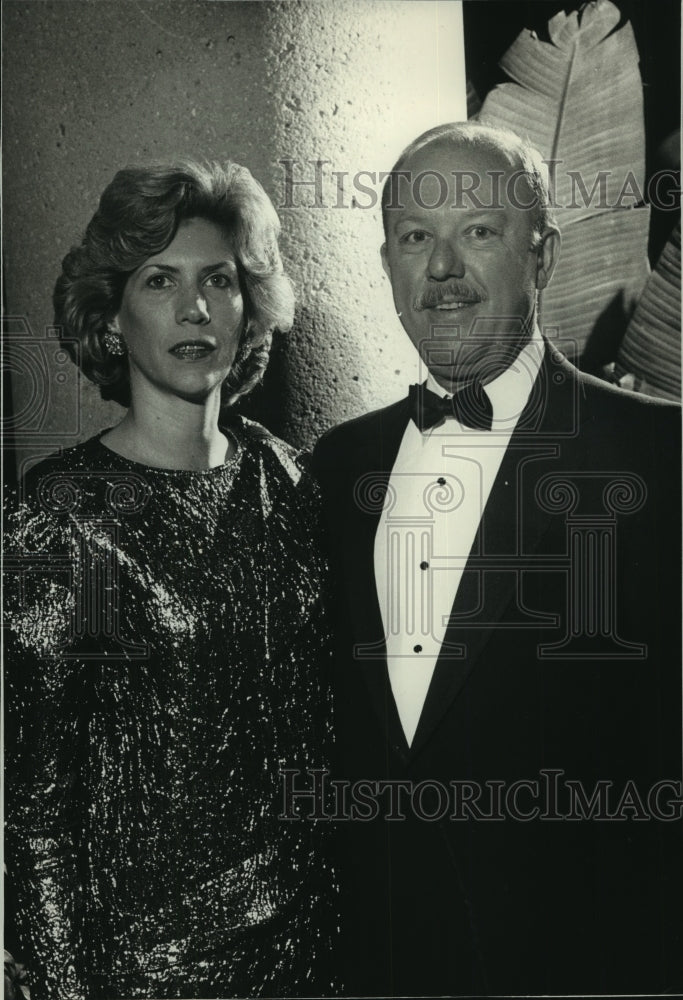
x=527 y=355
x=509 y=392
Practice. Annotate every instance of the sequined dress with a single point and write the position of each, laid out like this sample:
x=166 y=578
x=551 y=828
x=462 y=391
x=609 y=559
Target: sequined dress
x=166 y=657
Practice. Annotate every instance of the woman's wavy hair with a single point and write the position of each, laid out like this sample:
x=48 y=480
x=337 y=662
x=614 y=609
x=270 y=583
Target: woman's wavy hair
x=138 y=216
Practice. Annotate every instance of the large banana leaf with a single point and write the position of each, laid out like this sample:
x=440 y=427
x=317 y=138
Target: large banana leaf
x=651 y=349
x=578 y=98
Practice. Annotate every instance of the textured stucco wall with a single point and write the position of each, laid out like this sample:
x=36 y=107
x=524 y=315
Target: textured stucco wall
x=93 y=86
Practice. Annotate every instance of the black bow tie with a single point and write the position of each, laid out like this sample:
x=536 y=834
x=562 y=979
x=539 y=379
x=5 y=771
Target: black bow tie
x=470 y=406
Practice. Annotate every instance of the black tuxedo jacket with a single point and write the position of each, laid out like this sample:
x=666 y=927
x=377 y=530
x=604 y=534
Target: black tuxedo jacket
x=560 y=664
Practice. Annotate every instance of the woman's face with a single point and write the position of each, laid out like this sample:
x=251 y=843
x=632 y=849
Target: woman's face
x=182 y=315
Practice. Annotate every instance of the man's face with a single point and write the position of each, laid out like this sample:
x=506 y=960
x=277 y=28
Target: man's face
x=464 y=278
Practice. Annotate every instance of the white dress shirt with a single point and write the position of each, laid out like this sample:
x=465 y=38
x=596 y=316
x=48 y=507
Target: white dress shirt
x=437 y=492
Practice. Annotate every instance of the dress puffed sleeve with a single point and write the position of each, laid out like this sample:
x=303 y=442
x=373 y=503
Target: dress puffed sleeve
x=44 y=733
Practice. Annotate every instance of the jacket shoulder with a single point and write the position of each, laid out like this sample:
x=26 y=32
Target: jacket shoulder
x=606 y=394
x=639 y=423
x=352 y=434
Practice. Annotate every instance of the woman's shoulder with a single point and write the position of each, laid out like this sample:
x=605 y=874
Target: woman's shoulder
x=83 y=457
x=282 y=458
x=51 y=489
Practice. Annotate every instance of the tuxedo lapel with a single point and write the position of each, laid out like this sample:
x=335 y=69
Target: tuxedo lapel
x=372 y=462
x=507 y=529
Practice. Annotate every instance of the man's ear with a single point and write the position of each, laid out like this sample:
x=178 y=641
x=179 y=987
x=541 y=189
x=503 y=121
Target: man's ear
x=547 y=256
x=385 y=261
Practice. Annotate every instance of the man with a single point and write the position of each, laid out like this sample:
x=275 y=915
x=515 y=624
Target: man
x=508 y=677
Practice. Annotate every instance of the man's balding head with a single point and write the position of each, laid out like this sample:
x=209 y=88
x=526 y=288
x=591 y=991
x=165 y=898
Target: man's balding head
x=506 y=149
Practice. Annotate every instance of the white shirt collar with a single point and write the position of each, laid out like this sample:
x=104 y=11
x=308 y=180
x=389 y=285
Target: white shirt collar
x=510 y=391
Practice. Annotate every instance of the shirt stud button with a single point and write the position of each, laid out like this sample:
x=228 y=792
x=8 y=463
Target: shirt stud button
x=441 y=481
x=417 y=649
x=424 y=565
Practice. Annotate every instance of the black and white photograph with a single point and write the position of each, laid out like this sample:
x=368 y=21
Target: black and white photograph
x=341 y=615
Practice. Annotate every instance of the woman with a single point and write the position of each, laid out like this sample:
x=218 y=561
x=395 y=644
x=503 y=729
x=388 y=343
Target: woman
x=166 y=653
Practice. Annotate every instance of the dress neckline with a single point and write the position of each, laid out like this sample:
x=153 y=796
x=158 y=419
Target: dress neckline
x=131 y=463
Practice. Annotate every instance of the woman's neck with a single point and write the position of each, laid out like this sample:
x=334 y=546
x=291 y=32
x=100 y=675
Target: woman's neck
x=171 y=434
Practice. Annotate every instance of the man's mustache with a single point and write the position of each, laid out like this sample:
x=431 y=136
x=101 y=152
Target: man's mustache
x=451 y=290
